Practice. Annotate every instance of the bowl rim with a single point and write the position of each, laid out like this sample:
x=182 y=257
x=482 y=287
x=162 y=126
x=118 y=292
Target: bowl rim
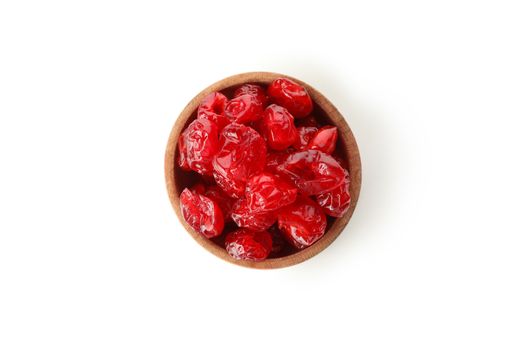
x=345 y=135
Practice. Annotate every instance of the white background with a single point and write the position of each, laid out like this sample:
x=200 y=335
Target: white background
x=93 y=257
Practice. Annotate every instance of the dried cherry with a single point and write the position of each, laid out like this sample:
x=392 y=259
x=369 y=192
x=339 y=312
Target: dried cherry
x=243 y=109
x=256 y=221
x=244 y=244
x=267 y=192
x=277 y=127
x=212 y=109
x=197 y=145
x=291 y=96
x=324 y=139
x=254 y=90
x=313 y=172
x=241 y=155
x=302 y=223
x=337 y=201
x=201 y=213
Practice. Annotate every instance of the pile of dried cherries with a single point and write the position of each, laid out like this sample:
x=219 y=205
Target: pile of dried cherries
x=267 y=172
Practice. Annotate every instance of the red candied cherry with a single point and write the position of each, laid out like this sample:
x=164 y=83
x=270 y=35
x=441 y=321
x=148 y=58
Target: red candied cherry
x=244 y=217
x=212 y=109
x=337 y=201
x=312 y=171
x=244 y=244
x=324 y=139
x=241 y=155
x=291 y=96
x=254 y=90
x=302 y=223
x=243 y=109
x=198 y=188
x=222 y=199
x=197 y=145
x=201 y=213
x=305 y=134
x=277 y=127
x=266 y=192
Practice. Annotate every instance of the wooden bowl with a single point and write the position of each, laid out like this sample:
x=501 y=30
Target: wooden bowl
x=177 y=180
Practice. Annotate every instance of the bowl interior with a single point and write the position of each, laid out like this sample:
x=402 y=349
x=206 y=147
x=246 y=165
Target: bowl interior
x=325 y=113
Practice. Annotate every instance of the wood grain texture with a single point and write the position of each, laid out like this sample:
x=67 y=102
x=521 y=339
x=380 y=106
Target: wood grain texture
x=177 y=180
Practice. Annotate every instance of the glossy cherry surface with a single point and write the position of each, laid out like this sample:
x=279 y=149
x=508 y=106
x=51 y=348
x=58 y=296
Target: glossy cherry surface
x=277 y=128
x=267 y=192
x=324 y=139
x=243 y=109
x=242 y=154
x=256 y=221
x=336 y=202
x=212 y=109
x=248 y=245
x=201 y=213
x=198 y=144
x=305 y=133
x=302 y=222
x=313 y=172
x=291 y=96
x=254 y=90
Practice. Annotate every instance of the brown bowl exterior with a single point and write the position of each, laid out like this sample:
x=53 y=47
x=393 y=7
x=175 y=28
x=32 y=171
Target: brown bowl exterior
x=177 y=180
